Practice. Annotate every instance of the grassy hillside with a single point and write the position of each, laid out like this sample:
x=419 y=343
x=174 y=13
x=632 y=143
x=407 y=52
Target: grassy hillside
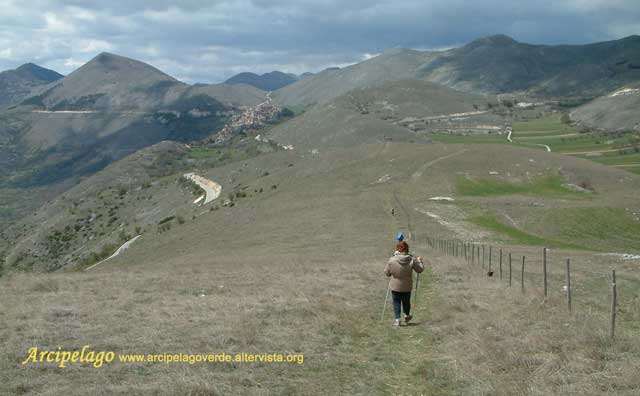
x=381 y=113
x=289 y=258
x=392 y=65
x=297 y=269
x=134 y=195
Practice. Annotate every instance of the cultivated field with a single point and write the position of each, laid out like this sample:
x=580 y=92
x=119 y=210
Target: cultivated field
x=619 y=149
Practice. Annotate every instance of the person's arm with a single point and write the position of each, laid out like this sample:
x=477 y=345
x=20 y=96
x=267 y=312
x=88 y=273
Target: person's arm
x=387 y=269
x=418 y=265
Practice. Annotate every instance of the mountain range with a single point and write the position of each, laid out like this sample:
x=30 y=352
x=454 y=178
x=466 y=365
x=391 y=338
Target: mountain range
x=56 y=129
x=106 y=109
x=495 y=64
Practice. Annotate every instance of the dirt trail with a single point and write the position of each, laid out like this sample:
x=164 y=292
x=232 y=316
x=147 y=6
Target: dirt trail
x=121 y=249
x=426 y=166
x=406 y=213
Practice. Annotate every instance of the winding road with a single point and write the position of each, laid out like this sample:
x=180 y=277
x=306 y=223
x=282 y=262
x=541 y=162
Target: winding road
x=211 y=188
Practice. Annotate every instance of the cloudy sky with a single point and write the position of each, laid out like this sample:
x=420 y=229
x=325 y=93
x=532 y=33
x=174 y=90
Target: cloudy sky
x=209 y=40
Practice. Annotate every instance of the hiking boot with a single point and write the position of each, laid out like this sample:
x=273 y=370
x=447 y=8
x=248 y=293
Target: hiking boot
x=396 y=323
x=407 y=318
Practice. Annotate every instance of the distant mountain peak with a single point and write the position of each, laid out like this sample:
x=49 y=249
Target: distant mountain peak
x=499 y=40
x=108 y=62
x=31 y=70
x=108 y=59
x=29 y=66
x=16 y=84
x=266 y=82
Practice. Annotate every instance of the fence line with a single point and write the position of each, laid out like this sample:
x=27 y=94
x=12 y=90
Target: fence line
x=471 y=253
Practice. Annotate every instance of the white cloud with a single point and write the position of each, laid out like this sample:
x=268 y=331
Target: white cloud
x=6 y=53
x=56 y=24
x=94 y=46
x=207 y=41
x=71 y=63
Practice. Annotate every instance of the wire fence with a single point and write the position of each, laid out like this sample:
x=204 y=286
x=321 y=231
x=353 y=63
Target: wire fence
x=518 y=270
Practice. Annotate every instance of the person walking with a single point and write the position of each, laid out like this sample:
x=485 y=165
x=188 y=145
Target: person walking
x=400 y=268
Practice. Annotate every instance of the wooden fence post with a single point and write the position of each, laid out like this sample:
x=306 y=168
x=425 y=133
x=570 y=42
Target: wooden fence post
x=500 y=264
x=490 y=256
x=482 y=256
x=568 y=285
x=614 y=304
x=522 y=275
x=544 y=270
x=510 y=269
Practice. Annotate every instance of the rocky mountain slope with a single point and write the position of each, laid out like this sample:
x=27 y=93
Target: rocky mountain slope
x=495 y=64
x=616 y=111
x=17 y=84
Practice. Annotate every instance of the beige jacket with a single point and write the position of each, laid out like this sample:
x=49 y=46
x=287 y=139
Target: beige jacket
x=400 y=267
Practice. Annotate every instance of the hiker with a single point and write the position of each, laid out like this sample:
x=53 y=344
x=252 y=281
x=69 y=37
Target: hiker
x=400 y=267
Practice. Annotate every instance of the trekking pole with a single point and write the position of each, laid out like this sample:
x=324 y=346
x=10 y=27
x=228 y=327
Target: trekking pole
x=415 y=294
x=384 y=308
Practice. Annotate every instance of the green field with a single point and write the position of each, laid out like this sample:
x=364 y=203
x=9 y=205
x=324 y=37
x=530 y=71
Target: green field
x=608 y=149
x=628 y=162
x=597 y=228
x=602 y=228
x=550 y=124
x=517 y=236
x=550 y=186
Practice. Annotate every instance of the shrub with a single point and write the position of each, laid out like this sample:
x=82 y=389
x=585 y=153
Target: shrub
x=586 y=184
x=166 y=220
x=164 y=228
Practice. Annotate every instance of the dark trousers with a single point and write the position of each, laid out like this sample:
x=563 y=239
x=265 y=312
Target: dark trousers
x=401 y=298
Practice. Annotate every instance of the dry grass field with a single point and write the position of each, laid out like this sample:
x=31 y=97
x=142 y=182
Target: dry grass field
x=298 y=270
